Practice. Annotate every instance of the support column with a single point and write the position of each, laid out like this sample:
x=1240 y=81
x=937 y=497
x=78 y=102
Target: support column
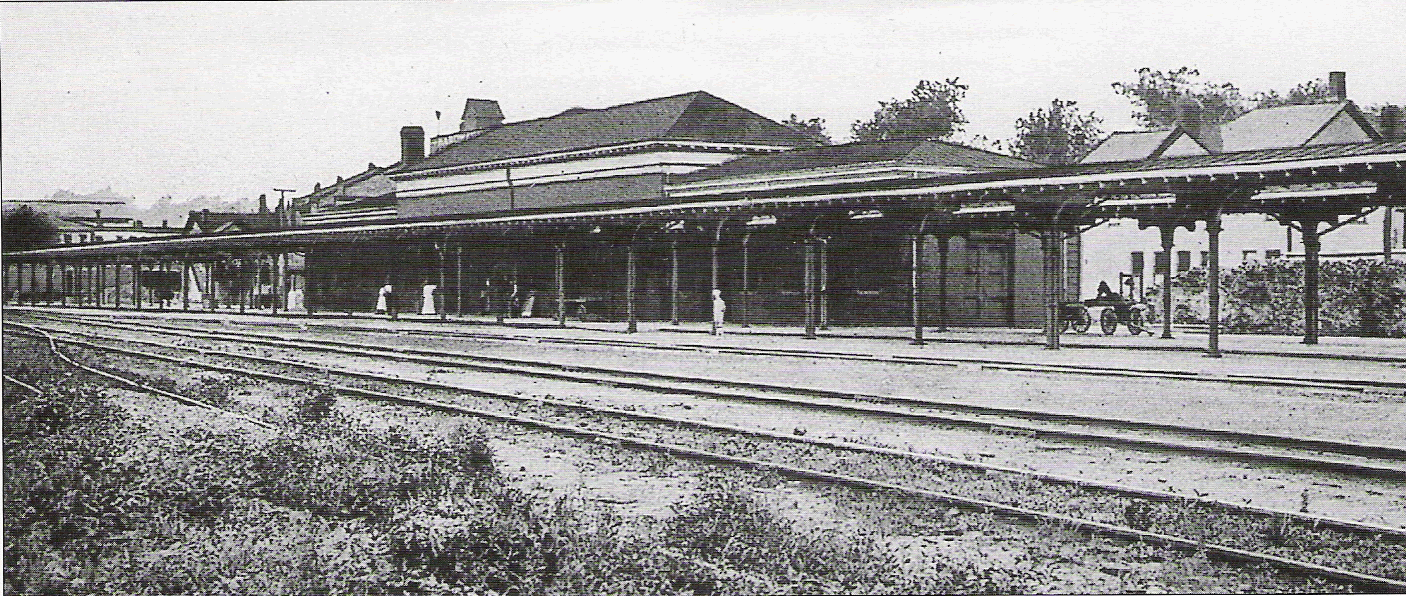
x=117 y=285
x=1050 y=242
x=1213 y=228
x=809 y=264
x=1168 y=234
x=459 y=279
x=439 y=290
x=915 y=244
x=560 y=250
x=674 y=282
x=185 y=284
x=247 y=295
x=210 y=296
x=1312 y=244
x=713 y=287
x=824 y=283
x=631 y=325
x=1386 y=234
x=275 y=284
x=137 y=284
x=102 y=282
x=746 y=281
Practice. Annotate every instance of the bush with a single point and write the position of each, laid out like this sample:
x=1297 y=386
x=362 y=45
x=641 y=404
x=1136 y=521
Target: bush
x=1357 y=297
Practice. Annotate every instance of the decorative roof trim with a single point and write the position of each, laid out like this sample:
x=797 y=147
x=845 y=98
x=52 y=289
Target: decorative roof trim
x=579 y=153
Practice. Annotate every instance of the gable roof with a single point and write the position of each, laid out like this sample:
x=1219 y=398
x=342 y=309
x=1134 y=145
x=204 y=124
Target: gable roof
x=1285 y=126
x=1136 y=145
x=694 y=116
x=220 y=222
x=896 y=153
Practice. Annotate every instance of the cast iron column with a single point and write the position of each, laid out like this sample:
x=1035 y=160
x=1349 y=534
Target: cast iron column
x=1213 y=229
x=1050 y=241
x=746 y=281
x=824 y=283
x=1386 y=234
x=459 y=279
x=674 y=282
x=439 y=290
x=916 y=288
x=1311 y=247
x=1168 y=235
x=561 y=283
x=809 y=277
x=631 y=325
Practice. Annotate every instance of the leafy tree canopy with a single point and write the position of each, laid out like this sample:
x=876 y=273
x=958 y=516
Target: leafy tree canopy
x=26 y=229
x=932 y=112
x=1161 y=99
x=1312 y=92
x=1057 y=135
x=813 y=128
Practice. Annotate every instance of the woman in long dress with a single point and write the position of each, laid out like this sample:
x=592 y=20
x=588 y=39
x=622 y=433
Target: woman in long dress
x=427 y=301
x=381 y=298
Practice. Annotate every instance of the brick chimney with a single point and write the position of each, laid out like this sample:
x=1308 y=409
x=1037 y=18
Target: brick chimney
x=1391 y=125
x=412 y=145
x=1337 y=82
x=263 y=204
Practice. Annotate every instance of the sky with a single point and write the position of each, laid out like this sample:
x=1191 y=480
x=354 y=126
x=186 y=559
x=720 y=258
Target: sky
x=234 y=99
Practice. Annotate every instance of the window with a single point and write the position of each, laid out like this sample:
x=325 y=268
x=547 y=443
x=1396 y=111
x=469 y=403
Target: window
x=97 y=238
x=1271 y=254
x=67 y=238
x=1137 y=263
x=1205 y=257
x=1183 y=261
x=1249 y=255
x=1161 y=262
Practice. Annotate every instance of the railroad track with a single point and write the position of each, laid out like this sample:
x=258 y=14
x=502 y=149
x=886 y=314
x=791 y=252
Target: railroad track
x=1300 y=382
x=1228 y=444
x=1185 y=527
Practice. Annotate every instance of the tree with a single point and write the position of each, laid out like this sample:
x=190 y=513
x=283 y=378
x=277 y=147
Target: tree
x=27 y=229
x=1163 y=99
x=1058 y=135
x=813 y=128
x=931 y=113
x=1312 y=92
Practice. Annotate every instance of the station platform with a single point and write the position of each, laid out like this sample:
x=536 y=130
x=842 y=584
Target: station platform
x=1271 y=355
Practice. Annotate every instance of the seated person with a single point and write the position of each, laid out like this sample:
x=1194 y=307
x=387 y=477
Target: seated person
x=1107 y=293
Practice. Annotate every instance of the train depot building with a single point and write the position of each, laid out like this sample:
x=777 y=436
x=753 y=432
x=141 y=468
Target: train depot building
x=640 y=211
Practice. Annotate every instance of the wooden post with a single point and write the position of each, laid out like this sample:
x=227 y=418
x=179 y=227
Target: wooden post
x=1312 y=244
x=915 y=243
x=560 y=250
x=631 y=325
x=210 y=286
x=809 y=286
x=117 y=284
x=1213 y=229
x=713 y=276
x=1168 y=235
x=439 y=289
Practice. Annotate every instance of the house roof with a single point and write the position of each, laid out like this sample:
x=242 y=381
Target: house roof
x=897 y=153
x=694 y=116
x=221 y=222
x=1128 y=146
x=482 y=108
x=1284 y=126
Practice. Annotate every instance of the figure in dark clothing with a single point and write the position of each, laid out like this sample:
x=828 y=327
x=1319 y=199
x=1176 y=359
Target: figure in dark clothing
x=1106 y=293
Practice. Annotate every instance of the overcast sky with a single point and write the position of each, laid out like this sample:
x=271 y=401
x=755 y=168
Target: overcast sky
x=231 y=99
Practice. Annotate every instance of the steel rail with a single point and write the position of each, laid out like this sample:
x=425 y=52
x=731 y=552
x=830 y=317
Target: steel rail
x=1317 y=520
x=30 y=388
x=1086 y=526
x=438 y=358
x=1339 y=384
x=189 y=401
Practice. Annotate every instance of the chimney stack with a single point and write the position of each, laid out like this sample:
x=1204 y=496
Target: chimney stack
x=263 y=204
x=412 y=145
x=1337 y=81
x=1391 y=125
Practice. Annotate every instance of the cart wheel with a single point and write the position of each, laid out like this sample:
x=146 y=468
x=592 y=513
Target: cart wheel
x=1082 y=321
x=1108 y=321
x=1135 y=322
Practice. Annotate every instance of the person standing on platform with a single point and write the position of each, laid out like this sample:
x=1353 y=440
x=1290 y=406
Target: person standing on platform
x=719 y=310
x=383 y=300
x=427 y=301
